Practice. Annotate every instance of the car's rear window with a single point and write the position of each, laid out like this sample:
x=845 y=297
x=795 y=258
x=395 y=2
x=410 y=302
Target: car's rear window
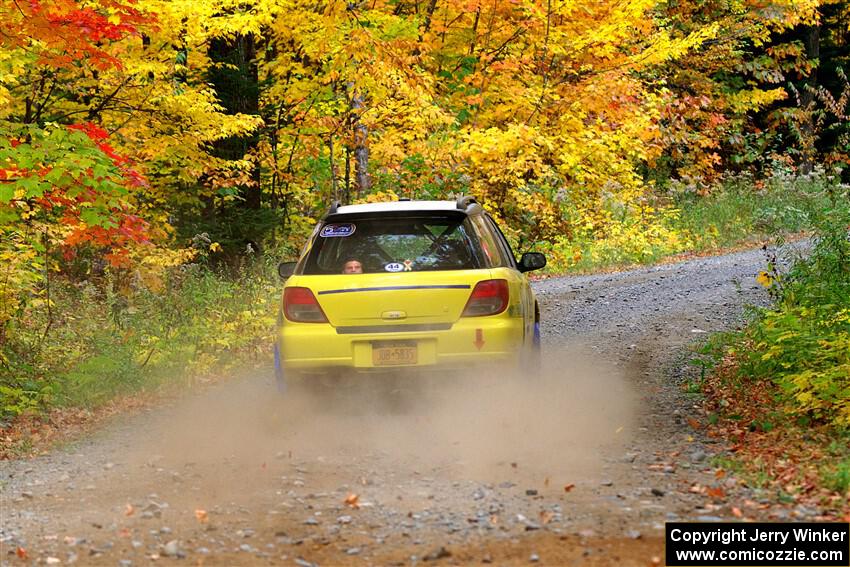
x=394 y=244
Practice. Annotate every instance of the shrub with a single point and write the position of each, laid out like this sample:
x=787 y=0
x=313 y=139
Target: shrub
x=802 y=343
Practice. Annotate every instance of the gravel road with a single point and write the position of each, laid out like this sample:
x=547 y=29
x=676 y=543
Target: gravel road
x=581 y=465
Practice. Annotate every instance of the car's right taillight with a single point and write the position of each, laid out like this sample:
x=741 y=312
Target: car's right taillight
x=489 y=297
x=300 y=306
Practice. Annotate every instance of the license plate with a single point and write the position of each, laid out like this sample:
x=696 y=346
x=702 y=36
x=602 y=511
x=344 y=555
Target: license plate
x=394 y=353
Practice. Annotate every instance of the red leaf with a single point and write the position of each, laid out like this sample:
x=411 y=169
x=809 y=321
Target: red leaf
x=716 y=493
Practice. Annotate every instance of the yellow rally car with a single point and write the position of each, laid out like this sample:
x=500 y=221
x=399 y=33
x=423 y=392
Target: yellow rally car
x=422 y=284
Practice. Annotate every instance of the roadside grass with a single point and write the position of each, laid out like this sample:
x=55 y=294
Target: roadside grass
x=117 y=341
x=780 y=391
x=737 y=213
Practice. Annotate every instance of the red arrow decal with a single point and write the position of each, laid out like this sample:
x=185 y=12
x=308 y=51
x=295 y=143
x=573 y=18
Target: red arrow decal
x=479 y=339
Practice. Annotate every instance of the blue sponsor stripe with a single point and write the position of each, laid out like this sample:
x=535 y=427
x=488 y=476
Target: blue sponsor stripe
x=395 y=288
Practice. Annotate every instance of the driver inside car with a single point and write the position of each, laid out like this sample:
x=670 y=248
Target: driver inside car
x=352 y=266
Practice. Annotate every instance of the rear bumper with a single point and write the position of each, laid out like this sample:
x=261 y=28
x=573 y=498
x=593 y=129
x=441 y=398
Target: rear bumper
x=469 y=341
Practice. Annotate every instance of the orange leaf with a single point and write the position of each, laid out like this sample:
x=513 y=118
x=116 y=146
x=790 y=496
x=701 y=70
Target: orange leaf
x=352 y=500
x=546 y=516
x=719 y=473
x=129 y=510
x=568 y=487
x=202 y=515
x=694 y=423
x=22 y=553
x=716 y=493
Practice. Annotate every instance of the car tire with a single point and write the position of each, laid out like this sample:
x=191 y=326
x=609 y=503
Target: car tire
x=286 y=381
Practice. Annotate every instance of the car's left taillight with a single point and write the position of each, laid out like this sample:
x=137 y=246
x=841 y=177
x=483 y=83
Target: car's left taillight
x=300 y=306
x=489 y=297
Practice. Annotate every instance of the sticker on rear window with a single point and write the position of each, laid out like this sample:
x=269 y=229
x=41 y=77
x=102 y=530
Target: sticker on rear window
x=394 y=267
x=337 y=230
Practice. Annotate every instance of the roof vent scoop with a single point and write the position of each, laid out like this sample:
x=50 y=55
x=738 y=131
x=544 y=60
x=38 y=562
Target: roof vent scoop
x=464 y=201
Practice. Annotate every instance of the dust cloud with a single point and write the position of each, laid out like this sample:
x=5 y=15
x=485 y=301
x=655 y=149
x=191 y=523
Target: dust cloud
x=486 y=425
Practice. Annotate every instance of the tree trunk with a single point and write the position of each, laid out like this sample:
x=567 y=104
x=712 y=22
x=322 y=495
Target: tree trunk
x=347 y=191
x=362 y=181
x=334 y=184
x=236 y=83
x=808 y=134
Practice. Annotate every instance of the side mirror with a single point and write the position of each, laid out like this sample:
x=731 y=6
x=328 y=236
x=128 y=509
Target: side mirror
x=286 y=269
x=531 y=261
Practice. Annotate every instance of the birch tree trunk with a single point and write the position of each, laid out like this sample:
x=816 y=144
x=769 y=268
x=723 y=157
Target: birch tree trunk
x=362 y=180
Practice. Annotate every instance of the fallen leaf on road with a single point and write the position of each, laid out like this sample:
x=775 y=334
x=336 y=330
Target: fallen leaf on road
x=202 y=516
x=546 y=516
x=694 y=423
x=352 y=500
x=716 y=493
x=719 y=473
x=494 y=520
x=21 y=553
x=696 y=489
x=568 y=487
x=129 y=510
x=737 y=512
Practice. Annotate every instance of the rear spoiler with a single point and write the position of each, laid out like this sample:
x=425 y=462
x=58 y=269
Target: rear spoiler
x=463 y=201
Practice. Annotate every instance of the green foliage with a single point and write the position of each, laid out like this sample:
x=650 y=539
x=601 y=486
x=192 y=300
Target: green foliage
x=836 y=476
x=688 y=216
x=802 y=343
x=122 y=336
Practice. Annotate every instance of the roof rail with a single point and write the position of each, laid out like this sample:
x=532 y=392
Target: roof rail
x=463 y=201
x=334 y=206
